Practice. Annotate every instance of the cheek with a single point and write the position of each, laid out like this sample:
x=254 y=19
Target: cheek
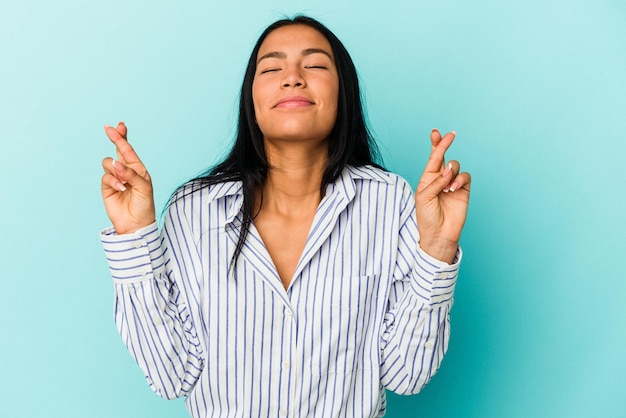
x=333 y=96
x=333 y=103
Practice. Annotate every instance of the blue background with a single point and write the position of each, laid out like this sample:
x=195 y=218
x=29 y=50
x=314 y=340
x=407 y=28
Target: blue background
x=535 y=89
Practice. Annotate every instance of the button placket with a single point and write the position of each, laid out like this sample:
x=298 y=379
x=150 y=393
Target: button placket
x=286 y=369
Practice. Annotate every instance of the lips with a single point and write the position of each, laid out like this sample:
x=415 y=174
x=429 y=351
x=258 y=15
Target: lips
x=294 y=102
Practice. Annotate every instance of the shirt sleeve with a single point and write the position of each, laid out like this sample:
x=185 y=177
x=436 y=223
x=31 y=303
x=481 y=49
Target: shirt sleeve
x=152 y=317
x=416 y=326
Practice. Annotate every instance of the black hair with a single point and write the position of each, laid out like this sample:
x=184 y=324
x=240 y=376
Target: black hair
x=349 y=142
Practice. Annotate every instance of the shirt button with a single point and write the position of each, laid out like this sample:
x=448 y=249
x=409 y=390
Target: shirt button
x=283 y=412
x=138 y=244
x=288 y=313
x=158 y=321
x=286 y=365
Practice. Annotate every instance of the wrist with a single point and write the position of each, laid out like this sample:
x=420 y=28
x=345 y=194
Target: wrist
x=442 y=250
x=131 y=229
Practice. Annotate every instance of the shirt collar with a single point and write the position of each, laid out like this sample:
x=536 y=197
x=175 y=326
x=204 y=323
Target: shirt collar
x=344 y=185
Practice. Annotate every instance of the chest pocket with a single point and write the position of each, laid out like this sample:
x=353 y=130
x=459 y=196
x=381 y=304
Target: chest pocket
x=337 y=332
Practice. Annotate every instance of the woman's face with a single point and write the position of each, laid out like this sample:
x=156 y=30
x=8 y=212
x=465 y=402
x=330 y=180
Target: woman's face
x=296 y=86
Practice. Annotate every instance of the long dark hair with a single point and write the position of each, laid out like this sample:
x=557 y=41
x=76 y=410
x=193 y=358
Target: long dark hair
x=349 y=143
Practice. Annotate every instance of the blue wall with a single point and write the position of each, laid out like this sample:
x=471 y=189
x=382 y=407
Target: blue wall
x=535 y=89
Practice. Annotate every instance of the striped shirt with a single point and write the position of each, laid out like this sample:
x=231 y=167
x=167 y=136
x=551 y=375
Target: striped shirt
x=366 y=309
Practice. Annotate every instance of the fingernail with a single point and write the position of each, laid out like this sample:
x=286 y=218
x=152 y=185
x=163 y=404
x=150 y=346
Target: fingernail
x=118 y=166
x=454 y=133
x=447 y=170
x=120 y=187
x=454 y=186
x=446 y=190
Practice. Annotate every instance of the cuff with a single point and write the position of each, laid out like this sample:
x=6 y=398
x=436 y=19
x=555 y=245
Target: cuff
x=434 y=280
x=132 y=257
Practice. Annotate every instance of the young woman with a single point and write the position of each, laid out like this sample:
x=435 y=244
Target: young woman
x=297 y=277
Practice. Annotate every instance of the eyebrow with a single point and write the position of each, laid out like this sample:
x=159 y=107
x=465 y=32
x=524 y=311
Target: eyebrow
x=305 y=52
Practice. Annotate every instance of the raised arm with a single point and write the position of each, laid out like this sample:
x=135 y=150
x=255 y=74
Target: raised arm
x=126 y=185
x=152 y=312
x=441 y=201
x=416 y=328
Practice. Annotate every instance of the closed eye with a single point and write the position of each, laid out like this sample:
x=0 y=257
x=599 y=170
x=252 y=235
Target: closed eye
x=270 y=70
x=317 y=66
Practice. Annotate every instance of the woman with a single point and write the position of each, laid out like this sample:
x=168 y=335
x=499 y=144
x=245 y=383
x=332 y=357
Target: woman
x=297 y=278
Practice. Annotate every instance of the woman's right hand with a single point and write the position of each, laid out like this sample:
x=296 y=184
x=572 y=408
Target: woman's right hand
x=126 y=186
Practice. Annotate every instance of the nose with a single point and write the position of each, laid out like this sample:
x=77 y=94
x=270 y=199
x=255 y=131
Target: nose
x=293 y=77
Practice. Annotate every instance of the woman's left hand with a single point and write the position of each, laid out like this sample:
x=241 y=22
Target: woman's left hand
x=441 y=199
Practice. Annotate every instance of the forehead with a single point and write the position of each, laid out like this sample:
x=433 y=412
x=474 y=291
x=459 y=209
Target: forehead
x=294 y=39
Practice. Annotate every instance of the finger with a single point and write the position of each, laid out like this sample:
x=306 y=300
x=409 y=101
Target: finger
x=108 y=165
x=437 y=156
x=111 y=184
x=121 y=128
x=125 y=151
x=129 y=176
x=461 y=181
x=435 y=139
x=118 y=138
x=442 y=182
x=454 y=167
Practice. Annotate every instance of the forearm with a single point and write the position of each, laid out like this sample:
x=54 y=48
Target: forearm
x=150 y=315
x=153 y=330
x=416 y=330
x=415 y=348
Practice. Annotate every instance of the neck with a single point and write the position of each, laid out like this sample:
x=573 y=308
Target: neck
x=294 y=178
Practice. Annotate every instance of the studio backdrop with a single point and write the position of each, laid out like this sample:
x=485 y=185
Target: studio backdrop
x=535 y=90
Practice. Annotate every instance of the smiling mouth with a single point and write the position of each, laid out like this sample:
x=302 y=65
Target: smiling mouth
x=294 y=102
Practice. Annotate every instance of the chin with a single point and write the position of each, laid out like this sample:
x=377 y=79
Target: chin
x=295 y=132
x=295 y=137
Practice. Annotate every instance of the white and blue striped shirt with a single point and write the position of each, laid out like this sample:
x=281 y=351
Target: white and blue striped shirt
x=366 y=309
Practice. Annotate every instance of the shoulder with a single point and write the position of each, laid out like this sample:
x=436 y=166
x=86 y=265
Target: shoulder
x=205 y=191
x=369 y=175
x=383 y=197
x=199 y=196
x=200 y=206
